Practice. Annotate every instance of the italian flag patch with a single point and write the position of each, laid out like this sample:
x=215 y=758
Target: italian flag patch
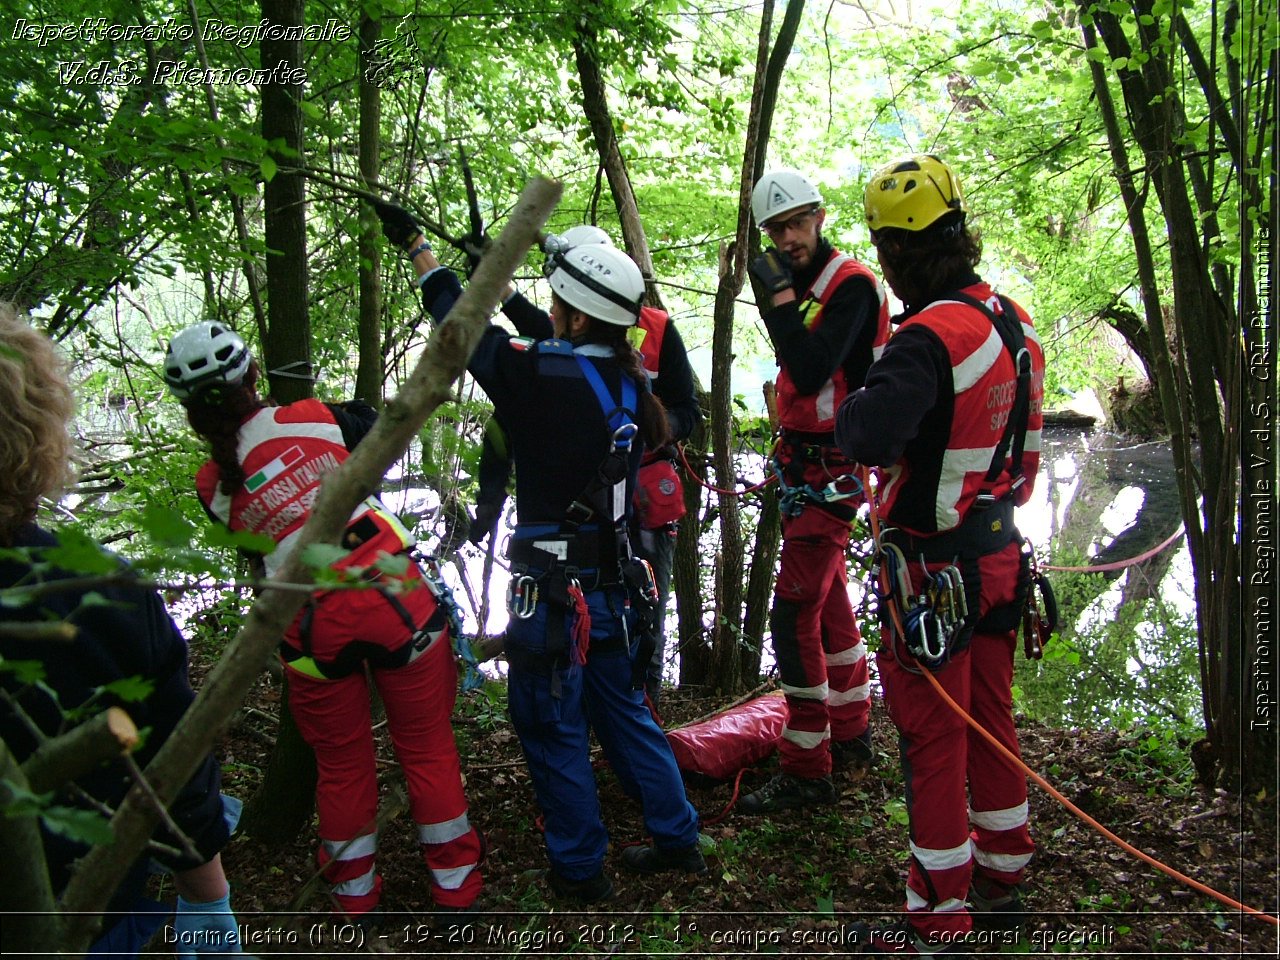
x=273 y=469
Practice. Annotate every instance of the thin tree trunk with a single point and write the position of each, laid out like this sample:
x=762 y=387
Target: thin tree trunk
x=595 y=105
x=369 y=370
x=287 y=348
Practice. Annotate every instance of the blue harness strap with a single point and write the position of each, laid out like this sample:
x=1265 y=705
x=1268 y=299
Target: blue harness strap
x=617 y=414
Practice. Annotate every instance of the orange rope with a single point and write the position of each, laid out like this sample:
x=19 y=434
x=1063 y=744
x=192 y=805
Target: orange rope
x=1041 y=781
x=730 y=493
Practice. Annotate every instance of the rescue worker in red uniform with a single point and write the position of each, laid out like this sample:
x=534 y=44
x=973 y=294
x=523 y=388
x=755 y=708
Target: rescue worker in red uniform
x=263 y=476
x=828 y=321
x=941 y=413
x=658 y=503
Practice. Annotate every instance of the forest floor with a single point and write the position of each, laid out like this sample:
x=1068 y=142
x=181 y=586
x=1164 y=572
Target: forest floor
x=788 y=884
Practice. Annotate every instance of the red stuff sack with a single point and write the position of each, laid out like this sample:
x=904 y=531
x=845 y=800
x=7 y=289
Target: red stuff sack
x=721 y=746
x=659 y=497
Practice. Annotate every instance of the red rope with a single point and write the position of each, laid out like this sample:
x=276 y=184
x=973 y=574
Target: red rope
x=1118 y=564
x=729 y=493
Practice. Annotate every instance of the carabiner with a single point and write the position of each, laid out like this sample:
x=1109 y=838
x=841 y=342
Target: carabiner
x=522 y=597
x=623 y=436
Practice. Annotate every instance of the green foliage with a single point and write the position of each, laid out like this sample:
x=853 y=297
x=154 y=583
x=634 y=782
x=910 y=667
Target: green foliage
x=1135 y=664
x=86 y=826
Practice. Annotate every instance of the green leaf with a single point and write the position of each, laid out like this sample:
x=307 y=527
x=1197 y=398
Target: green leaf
x=79 y=553
x=130 y=689
x=166 y=524
x=268 y=168
x=318 y=556
x=395 y=566
x=216 y=535
x=1042 y=29
x=24 y=803
x=25 y=671
x=87 y=826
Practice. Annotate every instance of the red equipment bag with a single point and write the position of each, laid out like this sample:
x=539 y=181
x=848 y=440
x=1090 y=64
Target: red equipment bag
x=659 y=497
x=721 y=746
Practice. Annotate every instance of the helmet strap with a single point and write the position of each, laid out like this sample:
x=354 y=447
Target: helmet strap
x=591 y=283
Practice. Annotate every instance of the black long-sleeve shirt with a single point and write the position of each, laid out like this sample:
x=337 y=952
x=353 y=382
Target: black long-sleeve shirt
x=843 y=339
x=128 y=635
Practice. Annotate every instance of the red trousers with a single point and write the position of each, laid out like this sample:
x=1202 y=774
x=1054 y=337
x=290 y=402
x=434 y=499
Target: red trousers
x=334 y=718
x=941 y=755
x=822 y=661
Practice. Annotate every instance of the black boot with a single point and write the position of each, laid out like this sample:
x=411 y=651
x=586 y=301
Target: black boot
x=656 y=860
x=785 y=791
x=591 y=890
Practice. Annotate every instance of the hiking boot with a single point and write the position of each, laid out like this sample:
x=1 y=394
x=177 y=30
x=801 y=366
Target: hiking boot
x=856 y=755
x=785 y=791
x=591 y=890
x=656 y=860
x=899 y=940
x=1000 y=909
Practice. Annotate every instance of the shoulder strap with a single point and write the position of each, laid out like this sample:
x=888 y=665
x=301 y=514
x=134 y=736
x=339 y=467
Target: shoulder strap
x=606 y=490
x=1009 y=327
x=828 y=274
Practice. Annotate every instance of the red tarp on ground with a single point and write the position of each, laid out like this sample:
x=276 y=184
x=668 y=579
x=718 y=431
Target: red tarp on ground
x=723 y=745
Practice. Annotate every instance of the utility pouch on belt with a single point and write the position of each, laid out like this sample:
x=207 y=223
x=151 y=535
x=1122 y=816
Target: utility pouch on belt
x=659 y=497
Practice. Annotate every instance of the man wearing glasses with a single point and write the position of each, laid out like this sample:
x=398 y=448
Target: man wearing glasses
x=828 y=322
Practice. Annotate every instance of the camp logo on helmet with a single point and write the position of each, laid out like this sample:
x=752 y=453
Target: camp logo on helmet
x=588 y=261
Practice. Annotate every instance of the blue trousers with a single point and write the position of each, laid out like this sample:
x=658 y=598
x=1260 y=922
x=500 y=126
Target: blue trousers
x=555 y=734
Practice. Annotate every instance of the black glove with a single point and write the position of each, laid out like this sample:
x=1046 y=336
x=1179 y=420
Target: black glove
x=474 y=247
x=771 y=269
x=485 y=523
x=398 y=224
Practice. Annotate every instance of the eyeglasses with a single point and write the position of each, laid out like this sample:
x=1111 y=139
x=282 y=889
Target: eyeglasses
x=777 y=228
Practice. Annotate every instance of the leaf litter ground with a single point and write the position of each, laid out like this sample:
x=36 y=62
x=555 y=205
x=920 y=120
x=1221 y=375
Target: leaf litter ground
x=791 y=884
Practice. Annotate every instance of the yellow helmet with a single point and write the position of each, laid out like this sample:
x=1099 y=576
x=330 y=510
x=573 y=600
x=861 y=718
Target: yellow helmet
x=912 y=193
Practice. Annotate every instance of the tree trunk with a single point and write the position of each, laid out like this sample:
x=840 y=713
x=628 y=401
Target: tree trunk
x=287 y=350
x=1199 y=396
x=281 y=808
x=687 y=568
x=282 y=805
x=595 y=104
x=369 y=369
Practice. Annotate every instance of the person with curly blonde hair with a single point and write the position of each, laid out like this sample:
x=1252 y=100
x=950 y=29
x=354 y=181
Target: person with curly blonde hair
x=35 y=449
x=128 y=633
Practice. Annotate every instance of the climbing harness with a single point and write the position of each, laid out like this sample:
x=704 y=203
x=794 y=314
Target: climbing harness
x=793 y=499
x=933 y=619
x=559 y=563
x=1044 y=784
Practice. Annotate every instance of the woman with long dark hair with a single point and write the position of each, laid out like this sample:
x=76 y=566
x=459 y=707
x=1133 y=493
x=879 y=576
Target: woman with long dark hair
x=264 y=472
x=578 y=411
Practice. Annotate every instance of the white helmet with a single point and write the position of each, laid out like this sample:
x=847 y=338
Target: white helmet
x=205 y=354
x=781 y=191
x=573 y=237
x=601 y=281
